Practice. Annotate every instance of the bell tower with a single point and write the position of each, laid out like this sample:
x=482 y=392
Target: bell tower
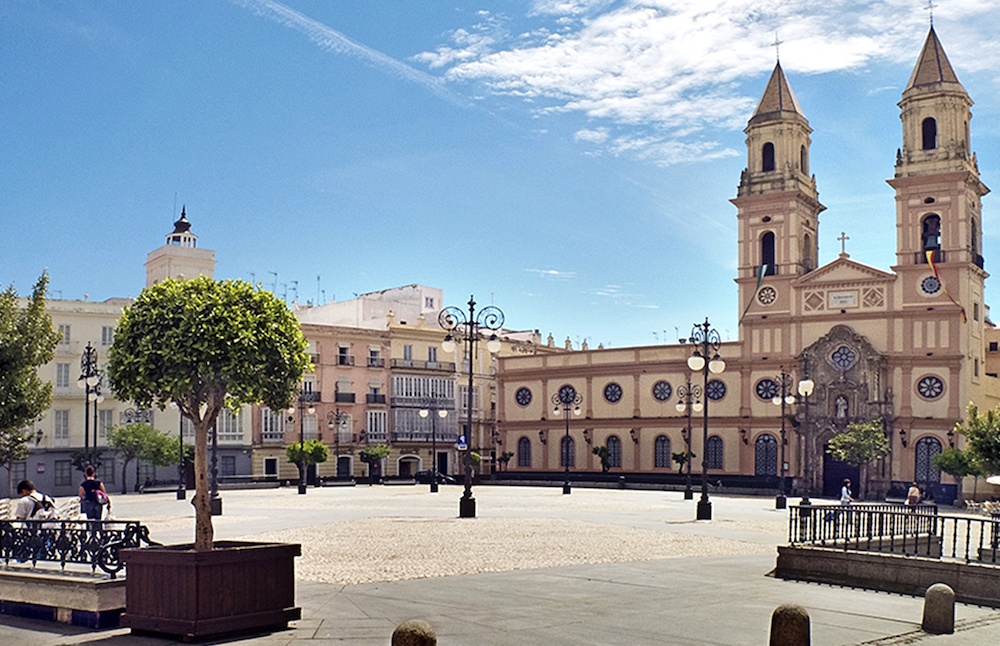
x=777 y=203
x=180 y=256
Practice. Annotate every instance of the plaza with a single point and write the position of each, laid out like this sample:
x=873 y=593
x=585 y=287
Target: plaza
x=603 y=566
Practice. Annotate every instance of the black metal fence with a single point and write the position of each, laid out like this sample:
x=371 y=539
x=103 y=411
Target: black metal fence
x=92 y=542
x=919 y=530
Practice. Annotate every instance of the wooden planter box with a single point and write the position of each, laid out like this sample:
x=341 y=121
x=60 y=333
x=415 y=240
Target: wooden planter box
x=238 y=587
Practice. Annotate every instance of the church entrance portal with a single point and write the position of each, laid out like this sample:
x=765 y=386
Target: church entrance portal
x=834 y=472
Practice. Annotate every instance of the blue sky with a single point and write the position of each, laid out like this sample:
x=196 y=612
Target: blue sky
x=570 y=161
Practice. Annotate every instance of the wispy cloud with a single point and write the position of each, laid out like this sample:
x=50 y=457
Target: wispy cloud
x=652 y=76
x=553 y=274
x=333 y=41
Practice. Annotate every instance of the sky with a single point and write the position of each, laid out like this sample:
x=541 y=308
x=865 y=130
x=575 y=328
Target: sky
x=569 y=161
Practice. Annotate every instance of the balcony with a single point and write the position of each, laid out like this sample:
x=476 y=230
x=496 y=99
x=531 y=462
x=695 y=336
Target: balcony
x=374 y=399
x=442 y=437
x=273 y=437
x=345 y=359
x=376 y=362
x=442 y=366
x=311 y=396
x=344 y=398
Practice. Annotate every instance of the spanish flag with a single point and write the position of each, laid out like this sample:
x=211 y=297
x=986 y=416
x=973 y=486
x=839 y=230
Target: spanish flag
x=760 y=279
x=930 y=261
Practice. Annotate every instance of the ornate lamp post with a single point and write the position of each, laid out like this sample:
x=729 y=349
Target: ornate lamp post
x=304 y=398
x=334 y=420
x=707 y=342
x=689 y=400
x=425 y=413
x=566 y=400
x=806 y=386
x=90 y=382
x=456 y=323
x=181 y=485
x=782 y=398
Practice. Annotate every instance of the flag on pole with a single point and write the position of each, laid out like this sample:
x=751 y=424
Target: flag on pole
x=760 y=279
x=930 y=261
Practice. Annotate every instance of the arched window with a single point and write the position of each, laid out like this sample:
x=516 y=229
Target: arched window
x=524 y=452
x=929 y=130
x=567 y=457
x=713 y=452
x=931 y=231
x=767 y=254
x=807 y=252
x=974 y=239
x=924 y=471
x=661 y=452
x=765 y=456
x=767 y=157
x=614 y=452
x=804 y=160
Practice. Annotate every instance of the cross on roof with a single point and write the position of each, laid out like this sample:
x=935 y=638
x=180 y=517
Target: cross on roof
x=930 y=7
x=777 y=46
x=843 y=242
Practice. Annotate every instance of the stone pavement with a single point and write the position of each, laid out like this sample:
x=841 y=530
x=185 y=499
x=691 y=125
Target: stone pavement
x=535 y=567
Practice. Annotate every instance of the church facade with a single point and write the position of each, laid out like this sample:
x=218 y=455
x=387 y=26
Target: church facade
x=907 y=346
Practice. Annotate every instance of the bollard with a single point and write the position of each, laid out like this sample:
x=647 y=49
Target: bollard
x=790 y=626
x=939 y=610
x=414 y=633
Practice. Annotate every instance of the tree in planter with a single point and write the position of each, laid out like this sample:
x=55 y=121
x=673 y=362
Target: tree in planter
x=602 y=453
x=204 y=345
x=372 y=456
x=504 y=459
x=681 y=459
x=27 y=341
x=307 y=453
x=958 y=464
x=139 y=441
x=860 y=445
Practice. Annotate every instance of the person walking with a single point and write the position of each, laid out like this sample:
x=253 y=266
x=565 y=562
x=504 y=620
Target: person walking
x=913 y=495
x=845 y=493
x=93 y=495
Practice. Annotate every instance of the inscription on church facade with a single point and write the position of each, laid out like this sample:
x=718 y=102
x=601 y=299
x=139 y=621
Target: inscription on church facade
x=843 y=299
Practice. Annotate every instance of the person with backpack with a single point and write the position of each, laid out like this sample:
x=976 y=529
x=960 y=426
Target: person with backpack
x=93 y=495
x=32 y=504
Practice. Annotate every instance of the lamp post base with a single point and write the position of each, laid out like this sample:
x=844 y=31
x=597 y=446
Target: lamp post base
x=805 y=501
x=688 y=494
x=215 y=505
x=467 y=507
x=566 y=488
x=181 y=494
x=704 y=510
x=434 y=486
x=780 y=502
x=302 y=488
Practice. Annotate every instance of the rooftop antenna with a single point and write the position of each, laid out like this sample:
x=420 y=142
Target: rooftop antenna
x=656 y=336
x=274 y=283
x=777 y=47
x=318 y=292
x=284 y=292
x=295 y=288
x=253 y=278
x=930 y=8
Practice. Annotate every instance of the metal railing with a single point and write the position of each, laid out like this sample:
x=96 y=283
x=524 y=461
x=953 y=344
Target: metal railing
x=914 y=531
x=96 y=543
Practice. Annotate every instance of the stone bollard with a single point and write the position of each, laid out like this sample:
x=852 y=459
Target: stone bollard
x=414 y=633
x=790 y=626
x=939 y=610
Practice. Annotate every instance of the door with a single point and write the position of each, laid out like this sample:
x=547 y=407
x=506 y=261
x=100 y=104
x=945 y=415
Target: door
x=442 y=462
x=343 y=466
x=834 y=473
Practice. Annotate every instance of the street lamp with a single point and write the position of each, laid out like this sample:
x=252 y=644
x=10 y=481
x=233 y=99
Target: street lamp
x=566 y=400
x=806 y=386
x=90 y=382
x=334 y=420
x=689 y=400
x=707 y=342
x=455 y=322
x=782 y=398
x=425 y=413
x=181 y=490
x=304 y=398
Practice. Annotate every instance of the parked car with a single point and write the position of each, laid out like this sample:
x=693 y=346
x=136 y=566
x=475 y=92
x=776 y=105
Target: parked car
x=424 y=477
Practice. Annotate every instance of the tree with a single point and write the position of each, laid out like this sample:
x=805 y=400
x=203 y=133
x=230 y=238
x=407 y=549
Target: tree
x=205 y=345
x=860 y=445
x=27 y=341
x=602 y=453
x=504 y=458
x=682 y=458
x=140 y=441
x=983 y=433
x=373 y=456
x=958 y=464
x=306 y=453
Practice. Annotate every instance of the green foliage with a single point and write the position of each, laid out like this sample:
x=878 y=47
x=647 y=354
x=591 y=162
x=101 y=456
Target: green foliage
x=602 y=453
x=983 y=433
x=140 y=441
x=861 y=443
x=504 y=458
x=205 y=344
x=956 y=463
x=308 y=452
x=475 y=458
x=374 y=454
x=682 y=458
x=80 y=460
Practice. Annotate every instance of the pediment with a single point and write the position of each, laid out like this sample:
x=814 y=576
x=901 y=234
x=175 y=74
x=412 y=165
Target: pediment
x=843 y=270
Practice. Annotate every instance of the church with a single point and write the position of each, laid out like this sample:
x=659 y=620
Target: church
x=819 y=346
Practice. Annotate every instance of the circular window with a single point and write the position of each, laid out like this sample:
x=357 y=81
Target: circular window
x=844 y=357
x=613 y=392
x=567 y=395
x=767 y=295
x=715 y=390
x=523 y=396
x=930 y=285
x=662 y=391
x=930 y=387
x=767 y=389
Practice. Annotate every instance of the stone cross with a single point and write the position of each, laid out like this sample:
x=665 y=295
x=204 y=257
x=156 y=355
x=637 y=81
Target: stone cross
x=843 y=242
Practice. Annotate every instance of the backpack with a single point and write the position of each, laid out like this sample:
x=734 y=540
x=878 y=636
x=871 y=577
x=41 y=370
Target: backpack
x=45 y=509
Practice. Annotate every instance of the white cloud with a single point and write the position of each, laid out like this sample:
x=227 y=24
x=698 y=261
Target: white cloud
x=600 y=135
x=553 y=274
